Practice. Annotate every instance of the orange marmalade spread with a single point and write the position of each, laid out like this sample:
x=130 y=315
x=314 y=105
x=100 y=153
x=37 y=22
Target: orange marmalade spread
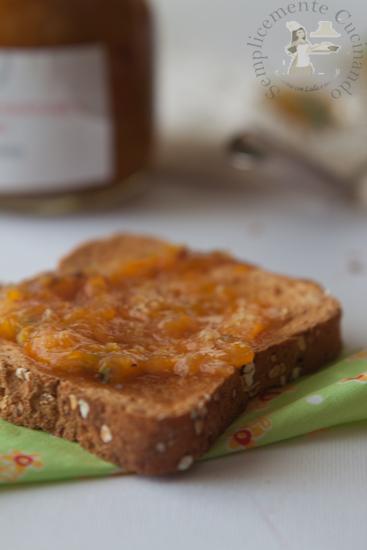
x=188 y=314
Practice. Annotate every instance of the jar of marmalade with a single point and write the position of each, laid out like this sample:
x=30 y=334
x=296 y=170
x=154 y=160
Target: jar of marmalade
x=75 y=99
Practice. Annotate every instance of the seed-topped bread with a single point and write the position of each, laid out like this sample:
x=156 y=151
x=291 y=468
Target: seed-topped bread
x=144 y=352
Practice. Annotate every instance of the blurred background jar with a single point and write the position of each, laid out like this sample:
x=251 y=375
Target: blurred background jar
x=75 y=101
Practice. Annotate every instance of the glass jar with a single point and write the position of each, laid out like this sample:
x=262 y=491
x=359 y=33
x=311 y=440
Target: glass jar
x=75 y=100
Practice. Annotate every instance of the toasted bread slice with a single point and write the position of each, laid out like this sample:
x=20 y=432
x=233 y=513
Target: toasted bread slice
x=160 y=422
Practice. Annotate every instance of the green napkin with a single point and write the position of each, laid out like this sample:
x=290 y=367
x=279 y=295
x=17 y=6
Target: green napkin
x=337 y=395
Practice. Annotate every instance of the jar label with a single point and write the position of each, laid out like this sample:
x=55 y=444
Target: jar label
x=56 y=130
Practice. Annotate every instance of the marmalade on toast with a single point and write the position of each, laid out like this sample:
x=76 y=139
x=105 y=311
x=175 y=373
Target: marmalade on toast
x=174 y=312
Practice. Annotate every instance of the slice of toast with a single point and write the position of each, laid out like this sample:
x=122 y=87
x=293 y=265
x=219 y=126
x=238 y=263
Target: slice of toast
x=162 y=417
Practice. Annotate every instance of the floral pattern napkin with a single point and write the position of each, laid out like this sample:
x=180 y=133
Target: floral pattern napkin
x=334 y=396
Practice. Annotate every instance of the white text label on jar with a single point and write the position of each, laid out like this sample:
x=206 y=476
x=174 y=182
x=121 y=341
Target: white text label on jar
x=56 y=131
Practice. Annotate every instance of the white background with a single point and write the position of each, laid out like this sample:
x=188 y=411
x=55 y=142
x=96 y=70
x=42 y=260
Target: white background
x=306 y=494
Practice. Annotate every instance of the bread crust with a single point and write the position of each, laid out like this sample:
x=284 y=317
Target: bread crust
x=163 y=426
x=150 y=444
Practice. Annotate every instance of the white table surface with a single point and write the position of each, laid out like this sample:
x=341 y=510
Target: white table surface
x=304 y=494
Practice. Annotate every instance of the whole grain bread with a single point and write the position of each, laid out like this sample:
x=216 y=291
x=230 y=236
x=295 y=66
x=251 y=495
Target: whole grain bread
x=159 y=426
